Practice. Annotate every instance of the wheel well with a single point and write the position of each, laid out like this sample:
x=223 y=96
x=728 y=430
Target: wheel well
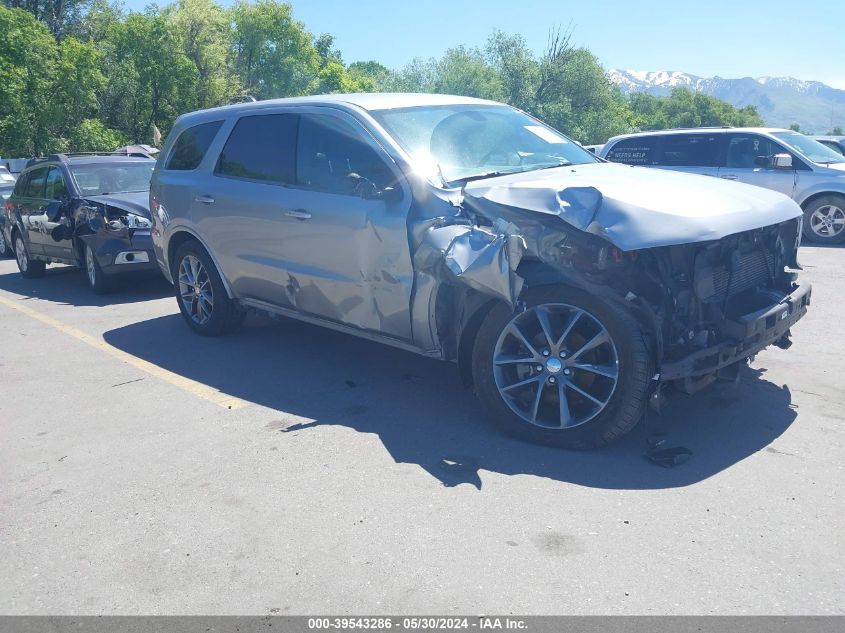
x=816 y=196
x=175 y=242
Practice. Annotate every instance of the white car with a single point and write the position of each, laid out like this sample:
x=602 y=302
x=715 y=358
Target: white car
x=810 y=173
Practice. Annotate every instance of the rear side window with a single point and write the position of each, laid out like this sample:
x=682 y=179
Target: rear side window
x=689 y=150
x=35 y=183
x=633 y=151
x=261 y=148
x=192 y=145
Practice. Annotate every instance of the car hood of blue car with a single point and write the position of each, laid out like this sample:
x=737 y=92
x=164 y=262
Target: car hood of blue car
x=136 y=202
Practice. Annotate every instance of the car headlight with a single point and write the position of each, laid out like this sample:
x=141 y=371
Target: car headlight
x=138 y=222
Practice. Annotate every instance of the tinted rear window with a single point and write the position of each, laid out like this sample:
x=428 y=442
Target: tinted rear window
x=689 y=150
x=261 y=148
x=633 y=151
x=192 y=145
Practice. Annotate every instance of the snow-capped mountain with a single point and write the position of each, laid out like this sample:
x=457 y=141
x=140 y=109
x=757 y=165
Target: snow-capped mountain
x=781 y=101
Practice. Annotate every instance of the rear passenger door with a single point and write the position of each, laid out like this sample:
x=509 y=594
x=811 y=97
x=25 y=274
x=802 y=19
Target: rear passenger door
x=30 y=206
x=748 y=159
x=691 y=153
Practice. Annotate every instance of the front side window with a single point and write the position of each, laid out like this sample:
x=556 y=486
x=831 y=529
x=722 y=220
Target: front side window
x=633 y=151
x=191 y=146
x=456 y=143
x=98 y=179
x=331 y=156
x=261 y=148
x=749 y=151
x=34 y=186
x=55 y=186
x=689 y=150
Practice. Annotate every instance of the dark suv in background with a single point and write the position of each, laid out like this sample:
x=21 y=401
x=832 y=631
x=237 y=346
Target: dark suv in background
x=87 y=210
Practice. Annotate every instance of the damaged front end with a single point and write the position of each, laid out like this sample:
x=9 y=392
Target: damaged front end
x=117 y=230
x=705 y=305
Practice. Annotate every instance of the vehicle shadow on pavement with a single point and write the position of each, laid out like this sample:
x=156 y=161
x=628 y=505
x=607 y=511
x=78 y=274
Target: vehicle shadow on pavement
x=423 y=415
x=67 y=285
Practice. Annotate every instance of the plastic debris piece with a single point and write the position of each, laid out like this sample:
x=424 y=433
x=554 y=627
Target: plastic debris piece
x=668 y=457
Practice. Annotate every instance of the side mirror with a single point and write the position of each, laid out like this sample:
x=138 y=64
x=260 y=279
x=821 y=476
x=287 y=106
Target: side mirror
x=388 y=194
x=782 y=161
x=54 y=210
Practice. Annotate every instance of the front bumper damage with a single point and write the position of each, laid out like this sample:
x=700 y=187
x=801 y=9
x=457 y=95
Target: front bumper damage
x=757 y=331
x=124 y=251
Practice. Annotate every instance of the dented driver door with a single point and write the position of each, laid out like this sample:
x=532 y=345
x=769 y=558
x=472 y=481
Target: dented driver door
x=346 y=228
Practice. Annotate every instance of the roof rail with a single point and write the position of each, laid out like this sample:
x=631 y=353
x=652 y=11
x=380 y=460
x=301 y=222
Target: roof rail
x=689 y=129
x=63 y=158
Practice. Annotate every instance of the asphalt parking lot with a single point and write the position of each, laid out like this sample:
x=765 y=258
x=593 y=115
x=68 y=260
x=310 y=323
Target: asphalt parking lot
x=294 y=470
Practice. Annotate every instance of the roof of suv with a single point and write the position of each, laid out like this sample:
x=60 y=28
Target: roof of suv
x=694 y=130
x=365 y=101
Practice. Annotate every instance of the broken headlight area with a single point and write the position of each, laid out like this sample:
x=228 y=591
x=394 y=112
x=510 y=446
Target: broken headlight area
x=113 y=218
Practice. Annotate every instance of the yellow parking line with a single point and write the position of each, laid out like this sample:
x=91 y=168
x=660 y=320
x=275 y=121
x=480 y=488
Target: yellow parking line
x=185 y=384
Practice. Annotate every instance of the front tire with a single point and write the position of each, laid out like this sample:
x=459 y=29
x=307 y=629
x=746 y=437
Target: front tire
x=203 y=301
x=98 y=281
x=570 y=371
x=30 y=268
x=824 y=220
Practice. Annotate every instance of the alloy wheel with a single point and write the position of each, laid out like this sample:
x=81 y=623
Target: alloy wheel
x=556 y=366
x=828 y=221
x=20 y=254
x=195 y=290
x=90 y=266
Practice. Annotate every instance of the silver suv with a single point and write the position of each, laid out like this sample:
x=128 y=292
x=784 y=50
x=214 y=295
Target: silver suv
x=809 y=172
x=569 y=291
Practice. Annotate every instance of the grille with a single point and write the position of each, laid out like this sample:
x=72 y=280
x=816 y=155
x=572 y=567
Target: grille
x=711 y=282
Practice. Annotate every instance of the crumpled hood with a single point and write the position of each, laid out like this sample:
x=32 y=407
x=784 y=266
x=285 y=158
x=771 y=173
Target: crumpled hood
x=136 y=202
x=637 y=207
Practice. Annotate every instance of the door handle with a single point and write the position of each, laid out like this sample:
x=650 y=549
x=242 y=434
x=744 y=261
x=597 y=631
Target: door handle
x=729 y=177
x=299 y=214
x=204 y=199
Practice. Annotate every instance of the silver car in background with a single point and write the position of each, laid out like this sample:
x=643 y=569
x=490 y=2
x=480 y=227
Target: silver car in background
x=569 y=291
x=796 y=165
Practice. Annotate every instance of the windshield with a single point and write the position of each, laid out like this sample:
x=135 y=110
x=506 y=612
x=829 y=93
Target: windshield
x=102 y=178
x=809 y=147
x=456 y=143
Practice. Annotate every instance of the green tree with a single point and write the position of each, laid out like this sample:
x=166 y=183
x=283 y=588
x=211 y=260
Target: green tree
x=62 y=17
x=273 y=53
x=26 y=45
x=795 y=127
x=836 y=131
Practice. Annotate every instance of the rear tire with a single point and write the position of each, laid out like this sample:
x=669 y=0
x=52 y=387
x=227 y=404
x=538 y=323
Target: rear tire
x=5 y=248
x=824 y=220
x=29 y=268
x=580 y=393
x=203 y=301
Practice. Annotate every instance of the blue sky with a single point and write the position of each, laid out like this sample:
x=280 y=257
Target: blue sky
x=737 y=38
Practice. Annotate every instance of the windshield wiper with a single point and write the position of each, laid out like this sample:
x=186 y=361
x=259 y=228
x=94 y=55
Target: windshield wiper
x=487 y=174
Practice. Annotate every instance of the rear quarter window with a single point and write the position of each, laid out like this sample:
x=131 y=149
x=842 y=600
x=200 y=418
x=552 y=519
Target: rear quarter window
x=633 y=151
x=191 y=146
